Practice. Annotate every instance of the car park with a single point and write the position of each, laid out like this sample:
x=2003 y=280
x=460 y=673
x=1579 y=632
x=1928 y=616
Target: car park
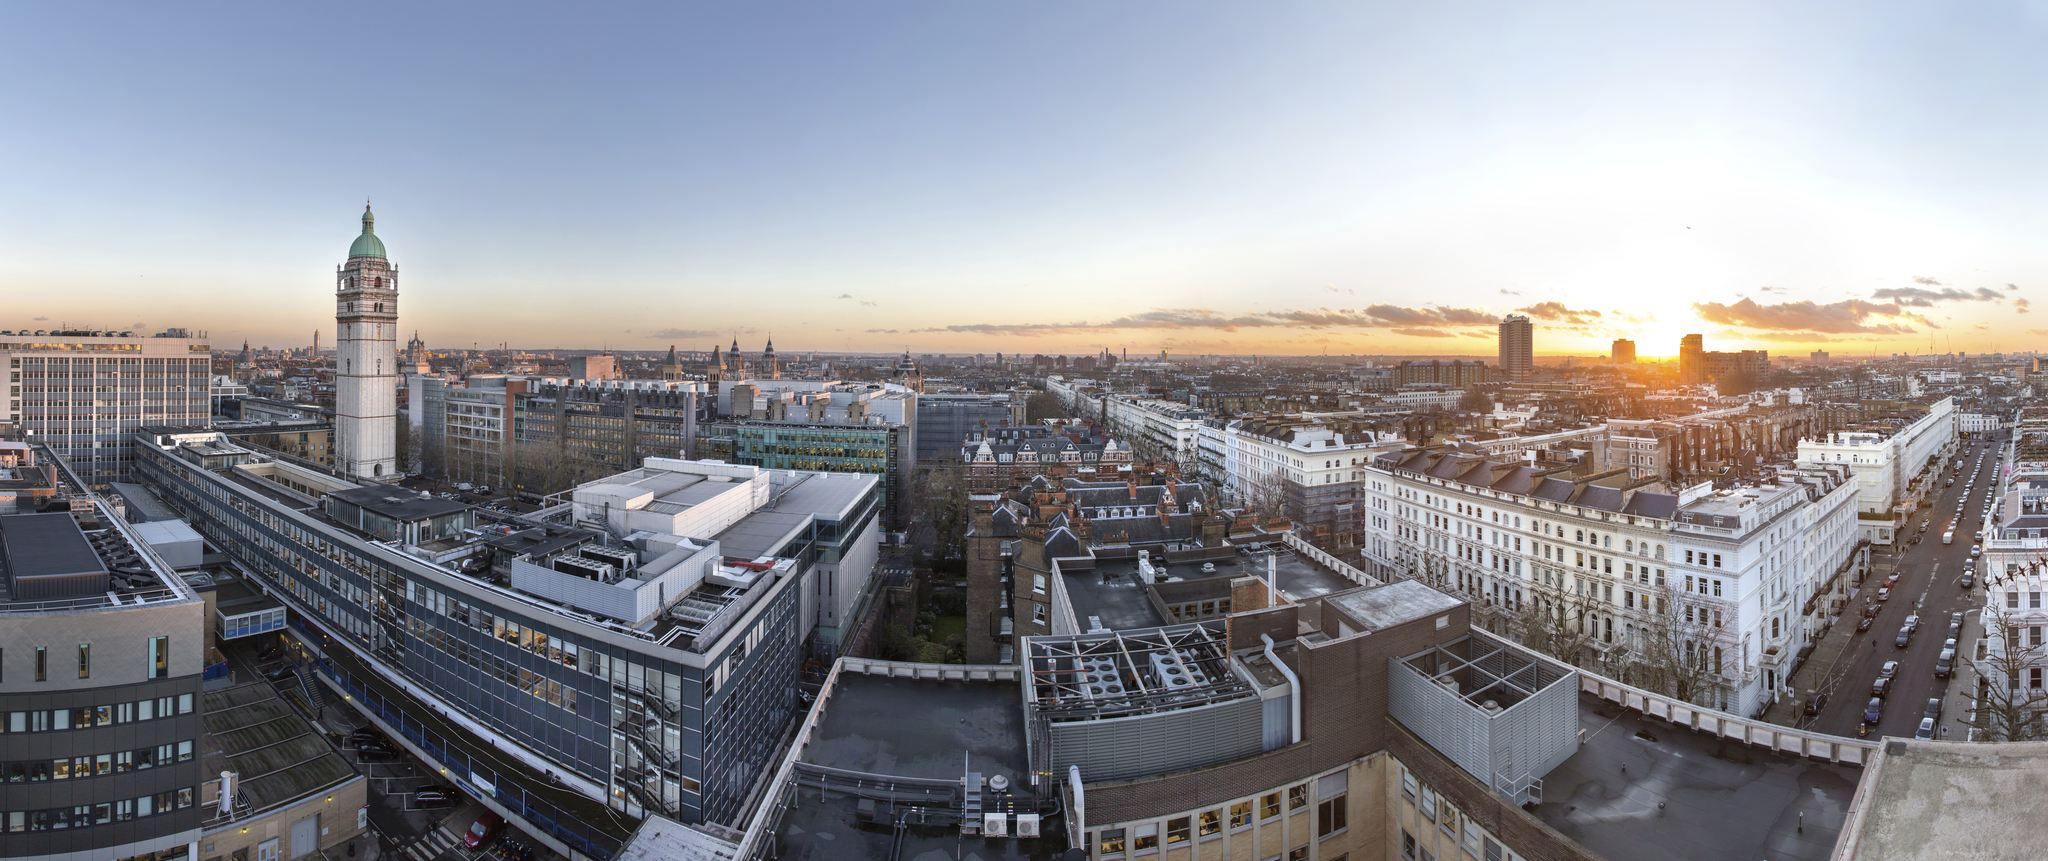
x=1873 y=711
x=482 y=830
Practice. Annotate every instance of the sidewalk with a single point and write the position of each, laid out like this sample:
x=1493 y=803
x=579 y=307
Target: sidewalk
x=1820 y=665
x=1960 y=697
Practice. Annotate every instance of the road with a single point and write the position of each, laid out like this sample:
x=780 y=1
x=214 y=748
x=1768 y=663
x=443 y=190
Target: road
x=1928 y=574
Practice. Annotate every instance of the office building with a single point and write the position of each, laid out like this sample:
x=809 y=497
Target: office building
x=366 y=360
x=1442 y=372
x=635 y=652
x=100 y=665
x=85 y=392
x=595 y=368
x=945 y=421
x=1623 y=352
x=880 y=450
x=594 y=429
x=1517 y=345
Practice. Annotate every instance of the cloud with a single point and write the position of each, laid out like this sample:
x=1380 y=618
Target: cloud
x=1919 y=298
x=2012 y=286
x=1766 y=289
x=1848 y=315
x=42 y=318
x=1424 y=333
x=844 y=296
x=881 y=331
x=684 y=334
x=1776 y=337
x=1330 y=287
x=1377 y=316
x=1557 y=311
x=2043 y=332
x=1506 y=292
x=1922 y=279
x=2020 y=305
x=870 y=304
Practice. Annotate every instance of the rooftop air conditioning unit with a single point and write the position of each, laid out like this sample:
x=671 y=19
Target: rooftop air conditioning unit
x=995 y=825
x=1027 y=825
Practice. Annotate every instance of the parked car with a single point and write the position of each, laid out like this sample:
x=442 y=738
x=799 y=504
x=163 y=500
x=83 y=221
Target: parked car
x=369 y=753
x=1863 y=624
x=1933 y=709
x=280 y=673
x=1968 y=579
x=1945 y=664
x=1905 y=638
x=1926 y=730
x=1880 y=687
x=378 y=746
x=366 y=735
x=1976 y=551
x=1913 y=624
x=1815 y=703
x=1955 y=625
x=482 y=830
x=1884 y=594
x=427 y=798
x=1890 y=668
x=1870 y=609
x=1875 y=710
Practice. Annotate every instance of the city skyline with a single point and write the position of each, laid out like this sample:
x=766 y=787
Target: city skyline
x=1228 y=181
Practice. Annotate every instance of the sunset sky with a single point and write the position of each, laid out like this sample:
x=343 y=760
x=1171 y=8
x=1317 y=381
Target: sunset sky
x=1376 y=178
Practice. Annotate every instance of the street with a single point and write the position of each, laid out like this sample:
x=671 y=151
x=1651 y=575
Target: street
x=1927 y=586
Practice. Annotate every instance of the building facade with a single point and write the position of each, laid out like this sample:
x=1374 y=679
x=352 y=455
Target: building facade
x=101 y=654
x=84 y=393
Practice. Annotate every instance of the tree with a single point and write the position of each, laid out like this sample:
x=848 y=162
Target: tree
x=408 y=458
x=2009 y=706
x=939 y=503
x=1041 y=406
x=1556 y=624
x=1669 y=652
x=1476 y=401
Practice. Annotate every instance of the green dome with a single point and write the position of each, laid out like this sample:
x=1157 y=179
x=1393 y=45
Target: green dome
x=367 y=245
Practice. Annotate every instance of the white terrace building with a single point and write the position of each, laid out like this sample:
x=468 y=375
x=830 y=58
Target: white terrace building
x=1746 y=575
x=1888 y=464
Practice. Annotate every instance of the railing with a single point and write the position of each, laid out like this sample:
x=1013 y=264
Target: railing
x=576 y=835
x=1836 y=749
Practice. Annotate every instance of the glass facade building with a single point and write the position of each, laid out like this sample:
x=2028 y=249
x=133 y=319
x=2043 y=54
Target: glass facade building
x=638 y=718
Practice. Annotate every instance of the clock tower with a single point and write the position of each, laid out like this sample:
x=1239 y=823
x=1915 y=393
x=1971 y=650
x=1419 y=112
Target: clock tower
x=366 y=361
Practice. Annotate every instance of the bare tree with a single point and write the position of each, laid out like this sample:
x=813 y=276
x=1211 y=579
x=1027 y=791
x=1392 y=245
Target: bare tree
x=2010 y=705
x=1557 y=623
x=1674 y=650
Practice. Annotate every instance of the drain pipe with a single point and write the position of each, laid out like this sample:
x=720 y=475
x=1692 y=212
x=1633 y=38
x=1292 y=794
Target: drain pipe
x=1080 y=817
x=1294 y=688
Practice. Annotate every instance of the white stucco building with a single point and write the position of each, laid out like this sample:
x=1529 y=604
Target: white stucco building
x=1889 y=462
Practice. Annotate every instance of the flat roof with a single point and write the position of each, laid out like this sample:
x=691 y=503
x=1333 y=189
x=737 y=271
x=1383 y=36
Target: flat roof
x=398 y=503
x=920 y=727
x=276 y=753
x=1393 y=604
x=47 y=545
x=1645 y=790
x=761 y=533
x=143 y=502
x=827 y=494
x=1936 y=799
x=1110 y=593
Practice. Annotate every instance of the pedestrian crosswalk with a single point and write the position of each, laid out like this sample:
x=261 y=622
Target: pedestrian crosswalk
x=432 y=846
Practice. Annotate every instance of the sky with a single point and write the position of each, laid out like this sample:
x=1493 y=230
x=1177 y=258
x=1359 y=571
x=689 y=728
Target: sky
x=1227 y=178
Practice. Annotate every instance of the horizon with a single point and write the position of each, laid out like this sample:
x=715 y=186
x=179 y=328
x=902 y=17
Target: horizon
x=1205 y=180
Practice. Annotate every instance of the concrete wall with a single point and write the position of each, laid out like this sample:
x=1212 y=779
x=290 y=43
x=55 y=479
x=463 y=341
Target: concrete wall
x=336 y=806
x=1119 y=748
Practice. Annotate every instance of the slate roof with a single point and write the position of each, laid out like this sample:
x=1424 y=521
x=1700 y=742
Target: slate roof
x=1519 y=478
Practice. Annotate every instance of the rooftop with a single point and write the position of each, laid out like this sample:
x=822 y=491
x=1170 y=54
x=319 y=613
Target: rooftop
x=919 y=728
x=399 y=503
x=1932 y=799
x=1125 y=673
x=1393 y=604
x=1644 y=790
x=277 y=754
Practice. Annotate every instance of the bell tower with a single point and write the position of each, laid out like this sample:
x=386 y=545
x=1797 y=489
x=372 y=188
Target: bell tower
x=366 y=361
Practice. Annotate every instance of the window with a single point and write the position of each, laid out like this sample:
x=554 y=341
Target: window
x=1428 y=803
x=1038 y=613
x=1240 y=815
x=1408 y=784
x=2012 y=602
x=85 y=660
x=1297 y=797
x=1330 y=797
x=1211 y=822
x=1269 y=806
x=159 y=657
x=1145 y=837
x=1112 y=841
x=1407 y=845
x=43 y=661
x=1038 y=583
x=1177 y=830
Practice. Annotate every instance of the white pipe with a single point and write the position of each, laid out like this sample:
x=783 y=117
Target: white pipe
x=1294 y=688
x=1080 y=803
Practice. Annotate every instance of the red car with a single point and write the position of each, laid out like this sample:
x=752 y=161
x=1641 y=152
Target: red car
x=482 y=830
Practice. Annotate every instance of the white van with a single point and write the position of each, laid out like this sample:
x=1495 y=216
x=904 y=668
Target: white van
x=1948 y=537
x=465 y=487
